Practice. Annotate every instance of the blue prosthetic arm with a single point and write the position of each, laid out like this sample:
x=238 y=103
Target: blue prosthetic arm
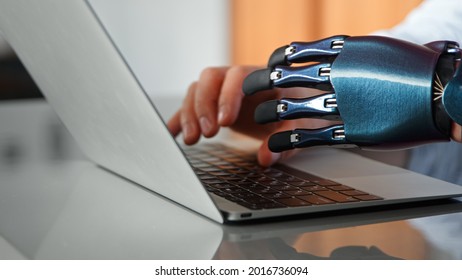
x=389 y=93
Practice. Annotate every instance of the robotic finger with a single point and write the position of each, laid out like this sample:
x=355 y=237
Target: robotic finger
x=313 y=76
x=304 y=138
x=279 y=74
x=300 y=52
x=322 y=106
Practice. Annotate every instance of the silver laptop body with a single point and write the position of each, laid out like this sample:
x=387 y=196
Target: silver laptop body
x=86 y=80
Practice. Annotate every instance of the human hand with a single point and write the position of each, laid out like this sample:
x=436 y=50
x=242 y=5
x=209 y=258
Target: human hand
x=216 y=100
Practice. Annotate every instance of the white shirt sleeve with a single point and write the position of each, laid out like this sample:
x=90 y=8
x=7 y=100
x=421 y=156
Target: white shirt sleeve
x=431 y=21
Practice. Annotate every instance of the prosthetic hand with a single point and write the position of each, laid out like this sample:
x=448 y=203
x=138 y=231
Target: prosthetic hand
x=389 y=94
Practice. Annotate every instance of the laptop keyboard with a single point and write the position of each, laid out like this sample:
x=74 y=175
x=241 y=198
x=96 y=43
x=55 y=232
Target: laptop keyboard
x=236 y=176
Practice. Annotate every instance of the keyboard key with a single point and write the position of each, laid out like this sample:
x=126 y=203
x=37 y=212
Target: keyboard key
x=266 y=181
x=325 y=183
x=234 y=190
x=273 y=183
x=206 y=177
x=226 y=166
x=339 y=188
x=297 y=192
x=253 y=187
x=231 y=178
x=244 y=164
x=261 y=179
x=285 y=188
x=211 y=181
x=210 y=169
x=231 y=158
x=206 y=157
x=313 y=188
x=252 y=175
x=199 y=163
x=337 y=197
x=246 y=182
x=265 y=191
x=200 y=173
x=316 y=199
x=353 y=192
x=252 y=198
x=219 y=173
x=286 y=178
x=273 y=172
x=239 y=171
x=222 y=185
x=276 y=195
x=301 y=184
x=293 y=202
x=218 y=152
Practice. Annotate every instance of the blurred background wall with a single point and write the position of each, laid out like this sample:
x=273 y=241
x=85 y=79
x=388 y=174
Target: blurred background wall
x=260 y=26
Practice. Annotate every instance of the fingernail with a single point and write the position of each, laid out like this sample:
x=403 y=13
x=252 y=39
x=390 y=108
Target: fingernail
x=187 y=129
x=206 y=126
x=222 y=113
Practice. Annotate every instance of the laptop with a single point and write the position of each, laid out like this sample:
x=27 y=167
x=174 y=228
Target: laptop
x=85 y=78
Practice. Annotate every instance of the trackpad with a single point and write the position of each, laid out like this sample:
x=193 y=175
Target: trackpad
x=337 y=163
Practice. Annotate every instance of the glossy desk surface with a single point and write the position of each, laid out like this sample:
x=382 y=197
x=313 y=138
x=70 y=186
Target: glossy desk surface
x=56 y=205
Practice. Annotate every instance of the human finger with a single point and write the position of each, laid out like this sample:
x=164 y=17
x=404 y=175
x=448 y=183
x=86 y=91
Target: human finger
x=206 y=98
x=229 y=103
x=174 y=124
x=188 y=118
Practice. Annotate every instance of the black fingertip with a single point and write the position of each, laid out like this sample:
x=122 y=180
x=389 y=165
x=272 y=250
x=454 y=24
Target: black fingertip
x=280 y=142
x=267 y=112
x=257 y=81
x=278 y=57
